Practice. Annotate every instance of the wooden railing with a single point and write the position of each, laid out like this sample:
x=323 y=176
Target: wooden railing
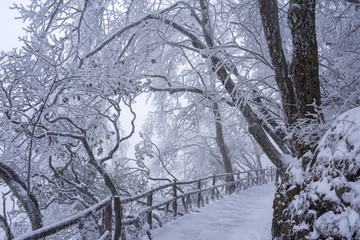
x=198 y=191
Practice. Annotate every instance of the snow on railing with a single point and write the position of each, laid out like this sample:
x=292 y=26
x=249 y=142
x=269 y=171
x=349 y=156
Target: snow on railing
x=203 y=185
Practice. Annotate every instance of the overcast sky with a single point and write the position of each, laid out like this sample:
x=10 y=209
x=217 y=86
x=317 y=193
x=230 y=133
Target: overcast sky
x=10 y=28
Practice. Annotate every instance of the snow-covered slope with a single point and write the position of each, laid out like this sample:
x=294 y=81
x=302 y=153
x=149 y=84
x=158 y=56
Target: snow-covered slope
x=323 y=201
x=244 y=216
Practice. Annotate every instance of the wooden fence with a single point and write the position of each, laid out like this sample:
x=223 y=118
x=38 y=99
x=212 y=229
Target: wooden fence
x=177 y=198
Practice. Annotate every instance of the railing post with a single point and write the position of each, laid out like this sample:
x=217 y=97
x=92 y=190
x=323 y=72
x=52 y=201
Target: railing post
x=199 y=194
x=237 y=178
x=213 y=189
x=257 y=177
x=149 y=215
x=183 y=200
x=226 y=187
x=167 y=208
x=189 y=201
x=248 y=176
x=107 y=218
x=175 y=200
x=119 y=232
x=264 y=176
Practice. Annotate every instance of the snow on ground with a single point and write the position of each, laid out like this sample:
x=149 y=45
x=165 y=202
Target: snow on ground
x=243 y=216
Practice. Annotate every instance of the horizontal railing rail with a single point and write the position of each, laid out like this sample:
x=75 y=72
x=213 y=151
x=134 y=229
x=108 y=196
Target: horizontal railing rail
x=202 y=185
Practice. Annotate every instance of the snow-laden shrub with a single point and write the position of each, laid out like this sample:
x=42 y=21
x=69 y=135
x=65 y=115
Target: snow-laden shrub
x=323 y=201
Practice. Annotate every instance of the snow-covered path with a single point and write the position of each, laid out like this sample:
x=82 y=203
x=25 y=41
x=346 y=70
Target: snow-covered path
x=242 y=216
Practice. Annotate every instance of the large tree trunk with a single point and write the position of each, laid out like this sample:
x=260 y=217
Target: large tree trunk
x=223 y=148
x=305 y=64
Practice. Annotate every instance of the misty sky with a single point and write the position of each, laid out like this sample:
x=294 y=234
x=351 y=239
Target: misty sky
x=9 y=26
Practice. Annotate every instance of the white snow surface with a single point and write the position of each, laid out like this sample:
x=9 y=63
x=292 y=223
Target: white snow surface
x=246 y=215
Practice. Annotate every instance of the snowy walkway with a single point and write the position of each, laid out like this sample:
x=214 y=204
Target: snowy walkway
x=244 y=216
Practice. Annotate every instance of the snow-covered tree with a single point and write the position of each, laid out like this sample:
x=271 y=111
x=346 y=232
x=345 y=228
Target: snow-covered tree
x=206 y=62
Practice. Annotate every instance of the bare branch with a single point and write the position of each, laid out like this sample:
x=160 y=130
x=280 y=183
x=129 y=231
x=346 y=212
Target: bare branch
x=80 y=187
x=118 y=139
x=81 y=19
x=128 y=27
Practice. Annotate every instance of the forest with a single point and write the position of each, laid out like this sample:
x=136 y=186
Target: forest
x=222 y=86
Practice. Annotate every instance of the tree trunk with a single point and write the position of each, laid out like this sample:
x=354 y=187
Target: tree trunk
x=223 y=148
